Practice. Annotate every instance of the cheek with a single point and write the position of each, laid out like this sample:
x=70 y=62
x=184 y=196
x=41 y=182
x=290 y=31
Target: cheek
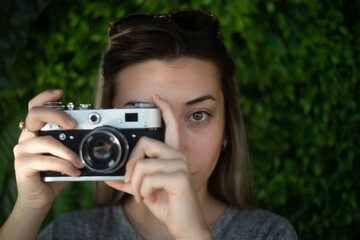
x=202 y=152
x=206 y=148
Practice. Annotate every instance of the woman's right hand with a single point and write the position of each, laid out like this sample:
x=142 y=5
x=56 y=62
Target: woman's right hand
x=34 y=154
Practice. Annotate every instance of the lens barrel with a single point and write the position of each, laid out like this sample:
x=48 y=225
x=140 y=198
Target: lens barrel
x=104 y=150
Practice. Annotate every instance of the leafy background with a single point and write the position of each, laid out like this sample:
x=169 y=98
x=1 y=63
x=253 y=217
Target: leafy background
x=298 y=74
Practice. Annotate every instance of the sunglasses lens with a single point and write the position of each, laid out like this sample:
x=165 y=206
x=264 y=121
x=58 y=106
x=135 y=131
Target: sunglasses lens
x=132 y=19
x=186 y=21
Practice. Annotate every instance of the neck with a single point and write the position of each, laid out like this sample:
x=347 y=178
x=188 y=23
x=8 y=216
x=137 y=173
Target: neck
x=139 y=215
x=212 y=208
x=143 y=221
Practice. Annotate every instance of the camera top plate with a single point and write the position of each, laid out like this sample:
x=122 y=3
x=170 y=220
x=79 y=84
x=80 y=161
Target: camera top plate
x=122 y=118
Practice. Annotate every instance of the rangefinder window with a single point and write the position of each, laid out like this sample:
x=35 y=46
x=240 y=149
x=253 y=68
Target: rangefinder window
x=131 y=117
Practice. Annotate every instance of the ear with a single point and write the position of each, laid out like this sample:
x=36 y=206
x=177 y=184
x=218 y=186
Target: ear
x=225 y=142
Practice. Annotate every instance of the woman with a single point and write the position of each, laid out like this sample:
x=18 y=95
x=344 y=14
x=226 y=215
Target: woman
x=194 y=185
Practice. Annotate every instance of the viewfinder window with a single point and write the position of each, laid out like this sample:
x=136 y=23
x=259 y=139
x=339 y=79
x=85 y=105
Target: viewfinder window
x=131 y=117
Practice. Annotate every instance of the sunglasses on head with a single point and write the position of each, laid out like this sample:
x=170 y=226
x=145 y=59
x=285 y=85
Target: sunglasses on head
x=187 y=21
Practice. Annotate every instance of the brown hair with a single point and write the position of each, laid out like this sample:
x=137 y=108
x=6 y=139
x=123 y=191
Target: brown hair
x=161 y=39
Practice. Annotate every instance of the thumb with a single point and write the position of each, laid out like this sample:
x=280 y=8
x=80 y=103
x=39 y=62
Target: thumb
x=121 y=186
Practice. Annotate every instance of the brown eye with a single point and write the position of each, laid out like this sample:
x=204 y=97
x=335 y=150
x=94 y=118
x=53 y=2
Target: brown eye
x=198 y=116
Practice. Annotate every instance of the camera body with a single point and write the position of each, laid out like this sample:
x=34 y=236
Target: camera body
x=104 y=138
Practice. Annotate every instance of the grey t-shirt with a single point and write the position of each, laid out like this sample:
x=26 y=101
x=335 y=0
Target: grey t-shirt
x=110 y=222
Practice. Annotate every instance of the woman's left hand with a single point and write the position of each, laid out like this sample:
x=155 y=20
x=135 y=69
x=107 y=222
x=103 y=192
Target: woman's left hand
x=157 y=173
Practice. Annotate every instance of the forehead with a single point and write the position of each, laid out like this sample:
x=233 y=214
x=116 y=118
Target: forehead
x=179 y=80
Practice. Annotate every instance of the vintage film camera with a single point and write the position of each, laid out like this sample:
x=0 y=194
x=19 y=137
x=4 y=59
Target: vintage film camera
x=104 y=138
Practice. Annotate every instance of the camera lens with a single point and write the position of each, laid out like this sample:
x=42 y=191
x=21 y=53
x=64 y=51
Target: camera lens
x=104 y=150
x=101 y=149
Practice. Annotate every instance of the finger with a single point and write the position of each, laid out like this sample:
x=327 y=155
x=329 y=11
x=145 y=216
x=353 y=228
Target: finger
x=48 y=145
x=121 y=186
x=148 y=166
x=171 y=131
x=39 y=100
x=46 y=96
x=26 y=135
x=38 y=116
x=30 y=165
x=172 y=183
x=150 y=148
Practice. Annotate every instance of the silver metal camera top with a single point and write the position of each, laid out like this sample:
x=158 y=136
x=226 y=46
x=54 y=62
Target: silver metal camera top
x=123 y=118
x=144 y=105
x=84 y=106
x=94 y=118
x=70 y=106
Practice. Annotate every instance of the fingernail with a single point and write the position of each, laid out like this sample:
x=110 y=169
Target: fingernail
x=157 y=97
x=57 y=91
x=71 y=122
x=79 y=162
x=126 y=178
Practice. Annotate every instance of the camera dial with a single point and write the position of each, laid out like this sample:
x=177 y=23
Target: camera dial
x=94 y=118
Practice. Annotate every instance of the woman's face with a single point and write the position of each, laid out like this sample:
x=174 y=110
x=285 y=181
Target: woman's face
x=192 y=88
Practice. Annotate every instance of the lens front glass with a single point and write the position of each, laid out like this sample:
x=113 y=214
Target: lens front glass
x=103 y=150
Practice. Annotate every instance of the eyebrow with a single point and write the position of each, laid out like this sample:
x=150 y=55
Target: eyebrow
x=188 y=103
x=200 y=99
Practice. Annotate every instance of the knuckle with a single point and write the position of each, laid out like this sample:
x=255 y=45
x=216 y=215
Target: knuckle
x=31 y=104
x=33 y=112
x=143 y=141
x=16 y=149
x=38 y=100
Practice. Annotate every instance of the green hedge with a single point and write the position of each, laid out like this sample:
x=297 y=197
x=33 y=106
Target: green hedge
x=298 y=74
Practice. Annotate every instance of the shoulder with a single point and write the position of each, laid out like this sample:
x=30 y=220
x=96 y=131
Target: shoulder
x=108 y=222
x=252 y=224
